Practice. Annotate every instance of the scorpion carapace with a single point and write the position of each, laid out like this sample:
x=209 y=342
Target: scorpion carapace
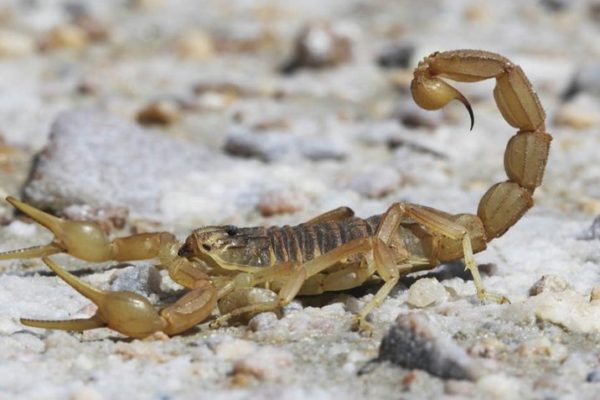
x=334 y=251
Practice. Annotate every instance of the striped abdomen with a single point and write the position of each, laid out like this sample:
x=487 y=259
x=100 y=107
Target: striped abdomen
x=306 y=241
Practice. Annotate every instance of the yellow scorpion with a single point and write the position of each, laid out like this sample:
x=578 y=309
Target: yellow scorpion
x=220 y=265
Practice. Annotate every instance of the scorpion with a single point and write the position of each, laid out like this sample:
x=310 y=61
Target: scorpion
x=221 y=265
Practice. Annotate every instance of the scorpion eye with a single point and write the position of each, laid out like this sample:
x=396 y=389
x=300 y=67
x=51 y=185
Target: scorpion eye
x=206 y=246
x=231 y=230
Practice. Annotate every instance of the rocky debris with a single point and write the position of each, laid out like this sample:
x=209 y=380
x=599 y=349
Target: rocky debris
x=15 y=44
x=542 y=346
x=568 y=309
x=162 y=112
x=376 y=182
x=274 y=146
x=426 y=292
x=414 y=341
x=105 y=162
x=65 y=36
x=396 y=56
x=276 y=202
x=595 y=293
x=142 y=279
x=196 y=45
x=95 y=29
x=549 y=283
x=319 y=45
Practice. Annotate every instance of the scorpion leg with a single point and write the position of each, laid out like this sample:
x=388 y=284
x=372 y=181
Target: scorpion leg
x=132 y=314
x=293 y=276
x=332 y=215
x=438 y=224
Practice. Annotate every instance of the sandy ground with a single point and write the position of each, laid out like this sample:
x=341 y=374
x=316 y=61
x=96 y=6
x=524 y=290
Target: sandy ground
x=170 y=115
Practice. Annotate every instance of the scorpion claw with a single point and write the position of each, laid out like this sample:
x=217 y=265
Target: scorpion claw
x=81 y=239
x=126 y=312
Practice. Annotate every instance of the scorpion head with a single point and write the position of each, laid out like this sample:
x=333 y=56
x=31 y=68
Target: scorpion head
x=220 y=246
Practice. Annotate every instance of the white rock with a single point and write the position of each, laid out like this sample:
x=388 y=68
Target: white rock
x=426 y=292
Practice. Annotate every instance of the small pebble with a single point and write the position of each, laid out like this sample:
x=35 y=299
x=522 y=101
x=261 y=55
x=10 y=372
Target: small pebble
x=159 y=113
x=67 y=36
x=593 y=376
x=264 y=321
x=14 y=44
x=281 y=202
x=595 y=293
x=486 y=348
x=498 y=387
x=415 y=342
x=549 y=283
x=95 y=30
x=426 y=292
x=396 y=56
x=195 y=45
x=142 y=279
x=318 y=45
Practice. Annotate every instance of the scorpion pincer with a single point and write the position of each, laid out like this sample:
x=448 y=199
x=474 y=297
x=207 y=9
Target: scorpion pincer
x=334 y=251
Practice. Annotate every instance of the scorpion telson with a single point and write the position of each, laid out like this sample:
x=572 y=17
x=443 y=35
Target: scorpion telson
x=334 y=251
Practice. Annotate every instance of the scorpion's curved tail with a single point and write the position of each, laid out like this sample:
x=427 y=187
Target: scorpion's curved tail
x=527 y=151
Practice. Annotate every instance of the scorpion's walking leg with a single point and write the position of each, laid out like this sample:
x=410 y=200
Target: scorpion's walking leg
x=132 y=314
x=292 y=275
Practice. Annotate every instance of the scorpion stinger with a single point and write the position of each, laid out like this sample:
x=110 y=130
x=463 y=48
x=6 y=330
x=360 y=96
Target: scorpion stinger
x=432 y=93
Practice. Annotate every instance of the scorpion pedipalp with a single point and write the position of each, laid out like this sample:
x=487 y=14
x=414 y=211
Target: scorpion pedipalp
x=130 y=313
x=86 y=240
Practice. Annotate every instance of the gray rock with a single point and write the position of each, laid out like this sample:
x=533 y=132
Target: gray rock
x=586 y=79
x=593 y=232
x=104 y=161
x=274 y=146
x=396 y=56
x=593 y=376
x=141 y=279
x=415 y=343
